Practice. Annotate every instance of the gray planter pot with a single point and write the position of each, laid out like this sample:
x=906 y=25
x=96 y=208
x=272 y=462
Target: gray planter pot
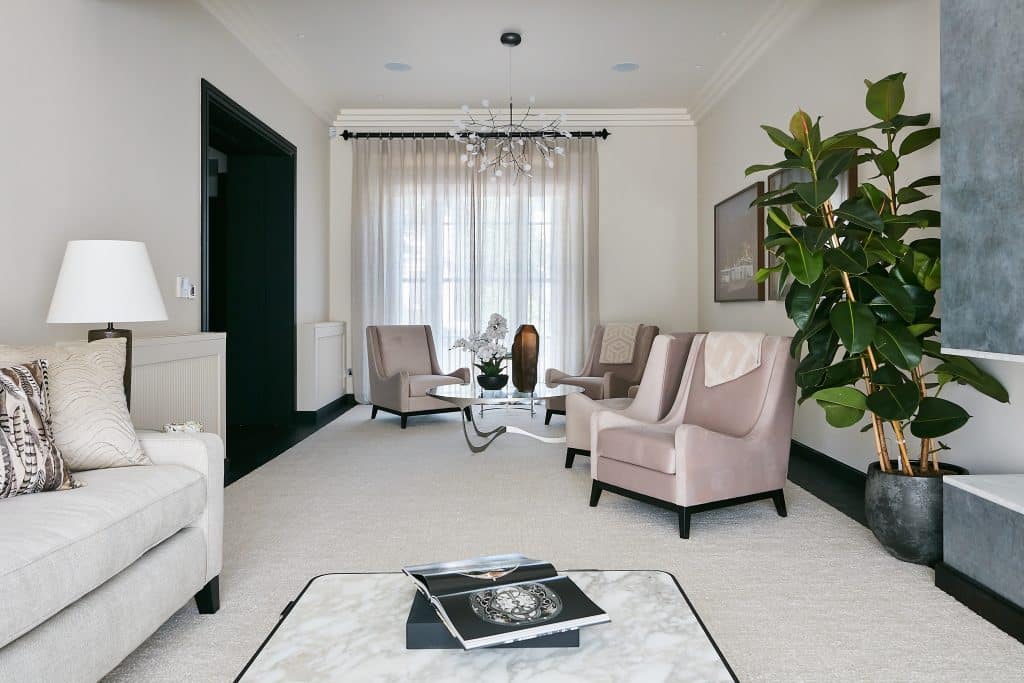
x=905 y=513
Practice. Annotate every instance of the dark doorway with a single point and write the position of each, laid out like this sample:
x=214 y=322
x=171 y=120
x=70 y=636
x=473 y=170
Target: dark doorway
x=248 y=263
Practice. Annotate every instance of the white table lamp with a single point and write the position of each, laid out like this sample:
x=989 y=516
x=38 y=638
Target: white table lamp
x=107 y=281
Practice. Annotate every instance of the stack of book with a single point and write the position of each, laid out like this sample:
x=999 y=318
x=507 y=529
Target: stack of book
x=499 y=600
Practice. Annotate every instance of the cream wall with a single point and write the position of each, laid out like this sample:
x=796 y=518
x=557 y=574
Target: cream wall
x=820 y=65
x=647 y=234
x=101 y=130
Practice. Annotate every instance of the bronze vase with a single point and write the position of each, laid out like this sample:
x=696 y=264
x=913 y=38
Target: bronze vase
x=525 y=349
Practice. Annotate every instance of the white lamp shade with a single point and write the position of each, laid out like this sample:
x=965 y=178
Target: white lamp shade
x=106 y=281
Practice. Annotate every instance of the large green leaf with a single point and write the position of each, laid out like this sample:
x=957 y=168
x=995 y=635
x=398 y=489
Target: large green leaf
x=937 y=417
x=926 y=181
x=814 y=194
x=901 y=121
x=860 y=212
x=876 y=197
x=843 y=406
x=849 y=257
x=921 y=264
x=896 y=345
x=919 y=139
x=851 y=141
x=834 y=164
x=893 y=291
x=963 y=371
x=909 y=195
x=887 y=162
x=924 y=302
x=783 y=140
x=804 y=264
x=894 y=401
x=884 y=98
x=788 y=163
x=847 y=371
x=800 y=126
x=801 y=302
x=854 y=324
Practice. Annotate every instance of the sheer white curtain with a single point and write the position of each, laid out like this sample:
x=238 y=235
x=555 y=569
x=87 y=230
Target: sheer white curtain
x=437 y=243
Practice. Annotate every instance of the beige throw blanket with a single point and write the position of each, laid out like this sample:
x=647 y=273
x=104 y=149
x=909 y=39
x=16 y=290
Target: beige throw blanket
x=619 y=343
x=730 y=355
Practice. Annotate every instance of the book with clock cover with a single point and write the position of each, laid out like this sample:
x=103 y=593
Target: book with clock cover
x=500 y=599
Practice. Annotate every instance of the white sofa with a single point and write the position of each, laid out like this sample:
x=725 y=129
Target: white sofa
x=87 y=575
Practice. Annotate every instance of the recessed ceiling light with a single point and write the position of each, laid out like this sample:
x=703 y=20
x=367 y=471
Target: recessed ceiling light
x=300 y=36
x=624 y=67
x=724 y=34
x=699 y=67
x=397 y=66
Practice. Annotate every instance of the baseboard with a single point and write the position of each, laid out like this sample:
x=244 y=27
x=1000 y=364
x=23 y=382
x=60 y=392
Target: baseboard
x=981 y=600
x=325 y=413
x=834 y=482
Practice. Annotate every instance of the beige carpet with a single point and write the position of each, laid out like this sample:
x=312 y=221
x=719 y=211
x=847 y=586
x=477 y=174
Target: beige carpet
x=808 y=598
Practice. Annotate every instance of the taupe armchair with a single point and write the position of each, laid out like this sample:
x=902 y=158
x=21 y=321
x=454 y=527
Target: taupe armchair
x=720 y=445
x=601 y=381
x=653 y=397
x=403 y=366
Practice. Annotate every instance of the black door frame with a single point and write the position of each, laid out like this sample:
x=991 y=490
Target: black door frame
x=210 y=94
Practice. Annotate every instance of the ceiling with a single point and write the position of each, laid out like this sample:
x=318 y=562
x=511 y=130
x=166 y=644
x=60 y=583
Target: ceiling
x=332 y=53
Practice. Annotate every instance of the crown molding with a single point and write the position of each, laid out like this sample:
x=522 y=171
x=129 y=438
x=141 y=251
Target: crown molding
x=241 y=22
x=442 y=119
x=780 y=17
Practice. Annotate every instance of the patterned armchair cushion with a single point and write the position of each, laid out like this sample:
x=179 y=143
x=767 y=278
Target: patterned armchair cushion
x=31 y=461
x=88 y=411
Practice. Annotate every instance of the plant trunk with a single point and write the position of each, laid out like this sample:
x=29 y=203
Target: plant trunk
x=876 y=423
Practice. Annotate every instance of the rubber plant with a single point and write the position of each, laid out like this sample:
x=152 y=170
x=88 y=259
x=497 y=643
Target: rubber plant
x=864 y=281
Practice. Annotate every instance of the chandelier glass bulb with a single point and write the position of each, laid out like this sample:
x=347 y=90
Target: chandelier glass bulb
x=500 y=140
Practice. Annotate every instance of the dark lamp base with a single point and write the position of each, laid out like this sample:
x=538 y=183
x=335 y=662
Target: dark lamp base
x=111 y=333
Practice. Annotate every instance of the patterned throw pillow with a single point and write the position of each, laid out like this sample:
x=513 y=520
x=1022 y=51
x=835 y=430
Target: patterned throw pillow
x=89 y=414
x=30 y=459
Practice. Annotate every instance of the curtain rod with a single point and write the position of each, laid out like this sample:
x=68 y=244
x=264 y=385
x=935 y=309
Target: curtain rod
x=350 y=135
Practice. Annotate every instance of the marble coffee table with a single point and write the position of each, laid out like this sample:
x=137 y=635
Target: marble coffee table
x=351 y=627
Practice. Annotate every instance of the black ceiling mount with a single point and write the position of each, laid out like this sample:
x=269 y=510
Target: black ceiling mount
x=511 y=38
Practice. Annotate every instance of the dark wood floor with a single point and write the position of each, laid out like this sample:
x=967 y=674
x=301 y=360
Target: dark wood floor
x=250 y=447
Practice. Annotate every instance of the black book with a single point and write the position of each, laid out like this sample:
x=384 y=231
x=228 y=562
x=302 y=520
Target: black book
x=503 y=598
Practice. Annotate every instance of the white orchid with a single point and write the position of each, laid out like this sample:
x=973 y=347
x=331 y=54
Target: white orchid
x=485 y=346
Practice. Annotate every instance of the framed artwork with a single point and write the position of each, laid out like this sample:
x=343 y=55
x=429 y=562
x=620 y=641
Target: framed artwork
x=739 y=246
x=847 y=188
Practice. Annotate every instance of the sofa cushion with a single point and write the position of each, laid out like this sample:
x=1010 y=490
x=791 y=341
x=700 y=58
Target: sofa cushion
x=88 y=410
x=404 y=347
x=593 y=387
x=57 y=546
x=650 y=448
x=418 y=384
x=30 y=461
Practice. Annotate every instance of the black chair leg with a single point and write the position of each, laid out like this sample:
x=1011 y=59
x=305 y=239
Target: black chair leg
x=373 y=413
x=467 y=413
x=208 y=597
x=595 y=493
x=779 y=498
x=684 y=522
x=405 y=421
x=547 y=417
x=570 y=456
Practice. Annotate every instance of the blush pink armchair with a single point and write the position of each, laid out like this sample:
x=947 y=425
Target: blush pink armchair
x=649 y=403
x=601 y=381
x=403 y=366
x=717 y=446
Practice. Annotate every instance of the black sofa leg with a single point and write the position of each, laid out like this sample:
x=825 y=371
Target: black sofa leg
x=405 y=421
x=373 y=413
x=467 y=413
x=208 y=597
x=595 y=494
x=547 y=417
x=570 y=457
x=684 y=522
x=779 y=498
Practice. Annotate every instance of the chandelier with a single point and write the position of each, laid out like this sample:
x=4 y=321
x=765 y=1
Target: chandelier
x=497 y=145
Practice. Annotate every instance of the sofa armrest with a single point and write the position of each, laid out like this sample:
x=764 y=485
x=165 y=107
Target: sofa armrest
x=204 y=453
x=552 y=376
x=711 y=466
x=633 y=391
